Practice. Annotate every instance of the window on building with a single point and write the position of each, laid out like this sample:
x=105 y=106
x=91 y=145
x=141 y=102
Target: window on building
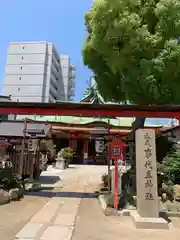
x=23 y=47
x=21 y=57
x=17 y=100
x=19 y=78
x=21 y=68
x=18 y=89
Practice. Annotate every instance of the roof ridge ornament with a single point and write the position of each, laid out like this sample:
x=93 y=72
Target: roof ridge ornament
x=92 y=94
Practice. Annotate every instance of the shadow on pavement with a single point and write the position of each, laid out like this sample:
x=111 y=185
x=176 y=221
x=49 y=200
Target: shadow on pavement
x=41 y=194
x=76 y=195
x=165 y=216
x=47 y=194
x=49 y=179
x=44 y=193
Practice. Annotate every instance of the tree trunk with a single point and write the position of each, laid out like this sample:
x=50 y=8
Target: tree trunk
x=138 y=123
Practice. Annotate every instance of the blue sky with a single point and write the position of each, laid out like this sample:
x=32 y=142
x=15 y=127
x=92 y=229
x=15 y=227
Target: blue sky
x=57 y=21
x=61 y=22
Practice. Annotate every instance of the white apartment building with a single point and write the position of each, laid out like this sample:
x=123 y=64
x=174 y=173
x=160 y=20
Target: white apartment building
x=34 y=72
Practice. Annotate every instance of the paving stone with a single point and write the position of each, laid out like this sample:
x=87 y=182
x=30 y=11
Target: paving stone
x=68 y=209
x=46 y=214
x=65 y=219
x=24 y=239
x=30 y=230
x=57 y=233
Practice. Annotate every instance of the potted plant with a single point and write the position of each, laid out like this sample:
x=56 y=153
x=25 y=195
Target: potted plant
x=64 y=157
x=67 y=154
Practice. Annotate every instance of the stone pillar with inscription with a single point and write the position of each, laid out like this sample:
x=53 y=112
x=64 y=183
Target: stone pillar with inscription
x=147 y=215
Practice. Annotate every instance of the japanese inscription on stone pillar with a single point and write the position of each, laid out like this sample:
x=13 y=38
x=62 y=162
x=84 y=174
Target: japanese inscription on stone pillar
x=148 y=180
x=146 y=173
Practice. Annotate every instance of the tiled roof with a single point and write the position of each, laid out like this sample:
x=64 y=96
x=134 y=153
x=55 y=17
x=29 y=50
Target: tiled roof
x=16 y=128
x=124 y=122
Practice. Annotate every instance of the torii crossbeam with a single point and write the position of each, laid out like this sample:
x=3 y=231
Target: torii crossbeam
x=90 y=110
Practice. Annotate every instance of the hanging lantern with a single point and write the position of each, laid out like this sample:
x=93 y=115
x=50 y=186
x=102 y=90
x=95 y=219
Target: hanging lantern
x=99 y=145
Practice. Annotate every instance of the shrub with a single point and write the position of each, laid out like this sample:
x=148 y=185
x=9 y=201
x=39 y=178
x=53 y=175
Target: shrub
x=104 y=179
x=9 y=180
x=126 y=197
x=48 y=147
x=171 y=168
x=166 y=193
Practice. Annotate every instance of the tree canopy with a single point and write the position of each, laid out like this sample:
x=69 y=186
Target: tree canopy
x=133 y=49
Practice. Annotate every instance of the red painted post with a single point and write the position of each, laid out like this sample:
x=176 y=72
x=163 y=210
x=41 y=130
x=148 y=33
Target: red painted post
x=109 y=159
x=116 y=154
x=116 y=184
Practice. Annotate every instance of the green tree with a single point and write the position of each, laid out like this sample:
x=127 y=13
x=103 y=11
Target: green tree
x=133 y=49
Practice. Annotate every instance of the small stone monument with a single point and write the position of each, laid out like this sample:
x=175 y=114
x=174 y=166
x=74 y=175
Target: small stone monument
x=60 y=161
x=147 y=214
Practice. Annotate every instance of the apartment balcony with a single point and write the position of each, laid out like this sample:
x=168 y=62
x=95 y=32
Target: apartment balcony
x=70 y=99
x=53 y=91
x=52 y=99
x=72 y=75
x=55 y=71
x=72 y=68
x=71 y=92
x=55 y=62
x=54 y=82
x=71 y=84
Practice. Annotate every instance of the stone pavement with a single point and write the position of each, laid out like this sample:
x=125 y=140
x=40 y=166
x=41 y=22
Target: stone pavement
x=16 y=214
x=57 y=218
x=75 y=214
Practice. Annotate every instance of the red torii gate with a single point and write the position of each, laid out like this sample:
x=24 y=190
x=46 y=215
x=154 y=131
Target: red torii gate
x=90 y=110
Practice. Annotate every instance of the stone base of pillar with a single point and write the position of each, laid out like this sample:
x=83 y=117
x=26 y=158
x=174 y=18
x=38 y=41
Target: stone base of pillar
x=61 y=163
x=85 y=155
x=85 y=158
x=148 y=223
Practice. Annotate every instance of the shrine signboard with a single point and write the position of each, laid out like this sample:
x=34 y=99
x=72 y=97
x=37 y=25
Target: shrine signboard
x=146 y=174
x=116 y=149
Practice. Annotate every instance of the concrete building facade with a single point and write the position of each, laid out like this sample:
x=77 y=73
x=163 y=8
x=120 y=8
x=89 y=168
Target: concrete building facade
x=34 y=72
